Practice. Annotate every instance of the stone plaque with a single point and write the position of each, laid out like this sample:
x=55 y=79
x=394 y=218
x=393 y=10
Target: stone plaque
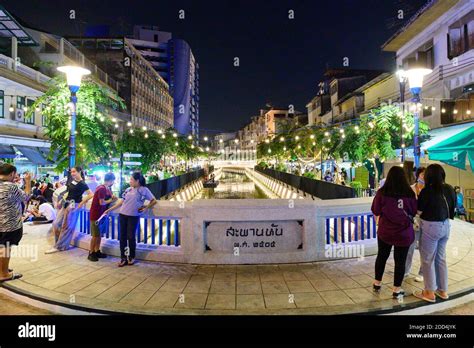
x=254 y=237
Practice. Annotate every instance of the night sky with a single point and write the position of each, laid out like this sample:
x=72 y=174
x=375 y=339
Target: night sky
x=281 y=59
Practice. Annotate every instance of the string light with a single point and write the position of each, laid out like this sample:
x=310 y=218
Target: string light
x=146 y=135
x=176 y=144
x=175 y=135
x=131 y=131
x=299 y=146
x=144 y=128
x=267 y=141
x=116 y=125
x=282 y=139
x=114 y=120
x=468 y=112
x=326 y=134
x=236 y=141
x=160 y=131
x=343 y=136
x=284 y=148
x=455 y=111
x=163 y=136
x=206 y=138
x=192 y=146
x=443 y=110
x=341 y=130
x=314 y=143
x=311 y=136
x=221 y=141
x=269 y=150
x=433 y=108
x=191 y=138
x=297 y=138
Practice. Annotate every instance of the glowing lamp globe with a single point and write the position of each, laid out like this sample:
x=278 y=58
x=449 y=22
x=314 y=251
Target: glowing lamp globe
x=74 y=75
x=415 y=78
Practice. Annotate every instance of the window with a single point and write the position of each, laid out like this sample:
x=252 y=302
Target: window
x=31 y=119
x=427 y=111
x=2 y=104
x=461 y=36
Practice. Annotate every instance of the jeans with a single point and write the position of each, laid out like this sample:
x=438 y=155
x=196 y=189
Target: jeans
x=400 y=256
x=411 y=252
x=433 y=254
x=128 y=227
x=68 y=227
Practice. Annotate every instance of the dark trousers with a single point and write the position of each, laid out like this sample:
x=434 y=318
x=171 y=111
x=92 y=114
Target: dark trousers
x=128 y=226
x=400 y=256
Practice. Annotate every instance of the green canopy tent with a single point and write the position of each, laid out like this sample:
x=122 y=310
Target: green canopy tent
x=455 y=150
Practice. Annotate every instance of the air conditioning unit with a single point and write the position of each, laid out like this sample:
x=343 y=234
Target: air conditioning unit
x=20 y=115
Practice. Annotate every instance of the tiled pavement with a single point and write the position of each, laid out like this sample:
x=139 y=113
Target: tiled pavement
x=333 y=287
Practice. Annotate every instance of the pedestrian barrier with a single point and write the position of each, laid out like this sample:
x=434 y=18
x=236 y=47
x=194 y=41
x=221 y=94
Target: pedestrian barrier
x=151 y=229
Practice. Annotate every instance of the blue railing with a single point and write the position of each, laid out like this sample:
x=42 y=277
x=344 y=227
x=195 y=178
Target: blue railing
x=350 y=228
x=151 y=230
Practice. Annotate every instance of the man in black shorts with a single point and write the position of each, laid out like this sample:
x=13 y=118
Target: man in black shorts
x=11 y=224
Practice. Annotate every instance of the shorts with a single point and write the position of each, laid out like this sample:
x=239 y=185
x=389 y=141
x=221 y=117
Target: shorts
x=11 y=238
x=99 y=230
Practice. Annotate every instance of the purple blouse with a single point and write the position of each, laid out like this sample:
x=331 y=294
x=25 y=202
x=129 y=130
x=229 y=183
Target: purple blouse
x=395 y=227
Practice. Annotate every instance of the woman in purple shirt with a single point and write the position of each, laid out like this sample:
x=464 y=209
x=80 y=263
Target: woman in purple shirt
x=394 y=207
x=132 y=204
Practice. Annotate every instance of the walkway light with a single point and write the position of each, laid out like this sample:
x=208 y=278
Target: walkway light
x=415 y=80
x=74 y=76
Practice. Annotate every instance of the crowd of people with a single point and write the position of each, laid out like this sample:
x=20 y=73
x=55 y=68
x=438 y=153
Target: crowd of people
x=414 y=215
x=411 y=213
x=22 y=199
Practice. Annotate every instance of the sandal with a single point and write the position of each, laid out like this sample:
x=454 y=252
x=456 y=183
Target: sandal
x=419 y=294
x=438 y=293
x=376 y=288
x=12 y=277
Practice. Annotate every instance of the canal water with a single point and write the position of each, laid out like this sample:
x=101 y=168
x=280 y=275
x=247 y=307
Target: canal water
x=232 y=185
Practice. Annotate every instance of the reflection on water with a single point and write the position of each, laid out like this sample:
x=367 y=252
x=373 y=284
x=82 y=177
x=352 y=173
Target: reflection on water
x=232 y=185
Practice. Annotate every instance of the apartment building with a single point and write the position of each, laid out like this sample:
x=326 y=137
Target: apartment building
x=28 y=60
x=144 y=91
x=441 y=37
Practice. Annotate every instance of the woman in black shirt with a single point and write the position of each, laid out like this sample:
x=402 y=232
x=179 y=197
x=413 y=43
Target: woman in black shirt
x=436 y=204
x=66 y=220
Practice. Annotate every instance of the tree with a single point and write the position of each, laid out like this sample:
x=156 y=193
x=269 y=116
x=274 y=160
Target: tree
x=94 y=138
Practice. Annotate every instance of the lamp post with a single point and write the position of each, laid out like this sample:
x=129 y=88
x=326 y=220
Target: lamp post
x=415 y=81
x=402 y=84
x=74 y=76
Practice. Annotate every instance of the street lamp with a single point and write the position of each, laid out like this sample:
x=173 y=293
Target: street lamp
x=74 y=76
x=415 y=81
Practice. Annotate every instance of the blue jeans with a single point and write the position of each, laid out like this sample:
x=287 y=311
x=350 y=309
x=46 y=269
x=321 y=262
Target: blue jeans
x=433 y=254
x=411 y=252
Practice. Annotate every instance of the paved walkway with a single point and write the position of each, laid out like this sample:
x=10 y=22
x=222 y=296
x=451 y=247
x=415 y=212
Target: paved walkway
x=333 y=287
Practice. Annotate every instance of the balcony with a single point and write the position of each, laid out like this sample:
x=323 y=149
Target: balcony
x=32 y=74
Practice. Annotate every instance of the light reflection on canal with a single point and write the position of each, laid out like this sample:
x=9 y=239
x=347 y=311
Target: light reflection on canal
x=233 y=185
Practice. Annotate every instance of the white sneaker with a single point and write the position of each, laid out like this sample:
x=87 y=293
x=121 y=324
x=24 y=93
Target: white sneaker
x=51 y=251
x=419 y=279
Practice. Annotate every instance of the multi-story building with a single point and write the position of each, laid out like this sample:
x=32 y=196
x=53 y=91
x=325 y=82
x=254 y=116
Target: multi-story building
x=145 y=92
x=440 y=36
x=222 y=142
x=173 y=59
x=28 y=60
x=270 y=122
x=329 y=107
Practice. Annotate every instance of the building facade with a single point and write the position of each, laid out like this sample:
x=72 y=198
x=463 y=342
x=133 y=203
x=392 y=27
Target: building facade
x=144 y=91
x=174 y=60
x=28 y=60
x=441 y=37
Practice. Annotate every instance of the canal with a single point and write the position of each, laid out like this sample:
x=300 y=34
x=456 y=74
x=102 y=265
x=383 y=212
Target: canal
x=233 y=184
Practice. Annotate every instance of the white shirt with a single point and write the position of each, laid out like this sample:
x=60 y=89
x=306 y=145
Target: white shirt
x=48 y=211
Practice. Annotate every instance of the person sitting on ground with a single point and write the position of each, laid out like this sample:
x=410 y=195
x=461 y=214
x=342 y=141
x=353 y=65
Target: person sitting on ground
x=460 y=211
x=42 y=212
x=394 y=207
x=11 y=225
x=103 y=196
